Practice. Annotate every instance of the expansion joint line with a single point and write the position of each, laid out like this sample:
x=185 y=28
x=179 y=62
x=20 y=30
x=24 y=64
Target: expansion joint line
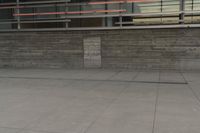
x=190 y=87
x=106 y=108
x=156 y=103
x=137 y=74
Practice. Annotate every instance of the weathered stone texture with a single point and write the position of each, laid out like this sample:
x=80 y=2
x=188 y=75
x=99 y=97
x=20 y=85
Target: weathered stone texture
x=134 y=49
x=92 y=52
x=41 y=50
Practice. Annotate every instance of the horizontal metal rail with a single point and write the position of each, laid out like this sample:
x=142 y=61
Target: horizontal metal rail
x=36 y=21
x=127 y=15
x=139 y=15
x=21 y=6
x=78 y=3
x=161 y=14
x=34 y=2
x=107 y=28
x=75 y=12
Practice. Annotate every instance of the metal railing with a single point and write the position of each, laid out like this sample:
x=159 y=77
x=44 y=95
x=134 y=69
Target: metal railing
x=108 y=14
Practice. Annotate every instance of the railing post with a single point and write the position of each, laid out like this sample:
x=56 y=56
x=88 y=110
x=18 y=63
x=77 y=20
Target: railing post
x=18 y=17
x=105 y=20
x=66 y=10
x=120 y=17
x=182 y=12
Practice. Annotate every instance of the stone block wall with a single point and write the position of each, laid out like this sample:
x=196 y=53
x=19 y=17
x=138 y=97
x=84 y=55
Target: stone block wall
x=40 y=50
x=152 y=49
x=128 y=49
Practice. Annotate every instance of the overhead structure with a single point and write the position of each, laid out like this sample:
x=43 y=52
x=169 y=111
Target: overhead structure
x=97 y=14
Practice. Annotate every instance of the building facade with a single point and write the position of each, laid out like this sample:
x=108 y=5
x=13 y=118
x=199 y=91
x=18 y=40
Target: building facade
x=95 y=14
x=130 y=34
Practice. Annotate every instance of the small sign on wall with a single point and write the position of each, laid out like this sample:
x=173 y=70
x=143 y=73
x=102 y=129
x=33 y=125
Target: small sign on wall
x=92 y=52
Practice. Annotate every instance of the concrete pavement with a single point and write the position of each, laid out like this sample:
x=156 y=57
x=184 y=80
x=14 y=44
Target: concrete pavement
x=98 y=101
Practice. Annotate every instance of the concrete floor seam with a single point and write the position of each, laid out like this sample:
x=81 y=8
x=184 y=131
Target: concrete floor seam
x=128 y=81
x=84 y=106
x=115 y=99
x=193 y=91
x=156 y=103
x=115 y=74
x=38 y=120
x=25 y=130
x=137 y=74
x=42 y=116
x=50 y=113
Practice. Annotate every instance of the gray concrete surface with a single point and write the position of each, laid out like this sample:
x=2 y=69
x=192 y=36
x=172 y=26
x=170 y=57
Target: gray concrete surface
x=98 y=101
x=155 y=49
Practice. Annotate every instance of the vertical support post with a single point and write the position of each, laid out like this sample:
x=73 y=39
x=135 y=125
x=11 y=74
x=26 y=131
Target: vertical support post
x=182 y=10
x=192 y=10
x=121 y=21
x=105 y=20
x=66 y=10
x=18 y=17
x=126 y=5
x=133 y=7
x=80 y=20
x=120 y=17
x=161 y=10
x=133 y=11
x=109 y=20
